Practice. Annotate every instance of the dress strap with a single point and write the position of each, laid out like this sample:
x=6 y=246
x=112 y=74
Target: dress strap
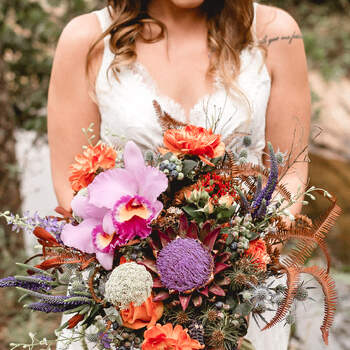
x=104 y=18
x=255 y=5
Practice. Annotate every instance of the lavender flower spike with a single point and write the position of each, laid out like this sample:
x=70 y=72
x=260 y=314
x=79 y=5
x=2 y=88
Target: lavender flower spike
x=272 y=181
x=57 y=299
x=37 y=283
x=46 y=307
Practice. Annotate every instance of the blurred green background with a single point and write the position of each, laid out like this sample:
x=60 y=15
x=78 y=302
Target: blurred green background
x=29 y=30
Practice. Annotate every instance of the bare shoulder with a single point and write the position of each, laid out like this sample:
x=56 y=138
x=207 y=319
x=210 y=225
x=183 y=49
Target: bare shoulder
x=80 y=33
x=275 y=25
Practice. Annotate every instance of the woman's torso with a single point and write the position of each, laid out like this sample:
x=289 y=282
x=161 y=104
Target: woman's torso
x=127 y=111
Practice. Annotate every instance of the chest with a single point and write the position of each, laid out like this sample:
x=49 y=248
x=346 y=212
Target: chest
x=179 y=70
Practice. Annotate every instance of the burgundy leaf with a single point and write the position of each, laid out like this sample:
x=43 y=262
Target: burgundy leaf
x=164 y=239
x=183 y=227
x=220 y=267
x=210 y=239
x=217 y=290
x=157 y=283
x=185 y=300
x=150 y=265
x=197 y=300
x=192 y=231
x=161 y=296
x=223 y=282
x=205 y=292
x=170 y=232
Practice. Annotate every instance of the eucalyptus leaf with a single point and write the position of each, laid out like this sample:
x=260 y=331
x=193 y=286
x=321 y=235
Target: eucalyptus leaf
x=188 y=165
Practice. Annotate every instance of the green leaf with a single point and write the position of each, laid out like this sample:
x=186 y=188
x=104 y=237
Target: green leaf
x=188 y=166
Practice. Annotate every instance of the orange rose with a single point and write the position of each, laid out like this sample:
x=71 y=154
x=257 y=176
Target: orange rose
x=257 y=250
x=168 y=338
x=145 y=315
x=195 y=141
x=83 y=171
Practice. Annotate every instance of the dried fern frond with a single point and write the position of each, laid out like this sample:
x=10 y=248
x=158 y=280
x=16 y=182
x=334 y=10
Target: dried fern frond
x=292 y=287
x=56 y=259
x=330 y=297
x=310 y=238
x=233 y=167
x=165 y=120
x=324 y=224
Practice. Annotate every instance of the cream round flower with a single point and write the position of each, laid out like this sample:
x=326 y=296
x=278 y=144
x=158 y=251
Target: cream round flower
x=128 y=283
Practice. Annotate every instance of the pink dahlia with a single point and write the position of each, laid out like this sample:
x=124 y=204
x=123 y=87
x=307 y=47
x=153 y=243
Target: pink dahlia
x=120 y=205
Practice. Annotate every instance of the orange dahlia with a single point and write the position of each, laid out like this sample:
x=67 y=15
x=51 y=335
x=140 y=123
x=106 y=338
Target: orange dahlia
x=86 y=165
x=168 y=338
x=257 y=250
x=196 y=141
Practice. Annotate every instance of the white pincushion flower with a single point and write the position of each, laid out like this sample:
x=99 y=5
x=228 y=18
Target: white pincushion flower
x=128 y=283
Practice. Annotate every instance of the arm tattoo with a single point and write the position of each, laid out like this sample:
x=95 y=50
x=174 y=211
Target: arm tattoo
x=289 y=38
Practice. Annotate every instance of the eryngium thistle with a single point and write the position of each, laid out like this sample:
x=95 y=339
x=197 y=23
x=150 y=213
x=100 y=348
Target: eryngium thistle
x=184 y=264
x=302 y=293
x=128 y=283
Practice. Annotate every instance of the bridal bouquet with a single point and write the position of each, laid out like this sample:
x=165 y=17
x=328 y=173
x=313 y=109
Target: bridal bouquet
x=174 y=249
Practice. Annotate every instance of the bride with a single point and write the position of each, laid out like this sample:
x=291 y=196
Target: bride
x=236 y=60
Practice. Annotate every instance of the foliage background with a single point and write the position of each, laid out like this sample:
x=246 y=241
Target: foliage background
x=29 y=30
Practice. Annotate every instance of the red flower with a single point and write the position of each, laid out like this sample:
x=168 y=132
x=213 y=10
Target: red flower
x=168 y=338
x=257 y=250
x=195 y=141
x=86 y=165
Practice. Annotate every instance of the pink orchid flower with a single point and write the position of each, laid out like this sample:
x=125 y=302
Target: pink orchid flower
x=120 y=205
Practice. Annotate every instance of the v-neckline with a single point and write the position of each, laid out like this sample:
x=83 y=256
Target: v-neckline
x=153 y=85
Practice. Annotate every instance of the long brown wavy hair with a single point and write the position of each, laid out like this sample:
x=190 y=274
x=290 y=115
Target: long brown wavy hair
x=229 y=32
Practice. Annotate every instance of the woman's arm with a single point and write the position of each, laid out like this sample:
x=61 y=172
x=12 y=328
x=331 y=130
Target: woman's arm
x=70 y=107
x=289 y=109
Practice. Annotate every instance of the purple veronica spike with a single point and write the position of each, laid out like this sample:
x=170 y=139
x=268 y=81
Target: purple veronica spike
x=37 y=283
x=60 y=299
x=184 y=264
x=48 y=308
x=261 y=212
x=258 y=188
x=270 y=187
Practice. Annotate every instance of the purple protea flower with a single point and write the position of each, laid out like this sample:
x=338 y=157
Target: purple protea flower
x=184 y=264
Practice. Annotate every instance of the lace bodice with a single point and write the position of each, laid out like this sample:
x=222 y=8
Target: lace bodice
x=127 y=111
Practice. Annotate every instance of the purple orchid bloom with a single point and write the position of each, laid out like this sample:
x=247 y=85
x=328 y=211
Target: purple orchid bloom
x=120 y=205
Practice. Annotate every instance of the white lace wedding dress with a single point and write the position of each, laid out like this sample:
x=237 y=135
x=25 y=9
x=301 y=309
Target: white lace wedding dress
x=127 y=112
